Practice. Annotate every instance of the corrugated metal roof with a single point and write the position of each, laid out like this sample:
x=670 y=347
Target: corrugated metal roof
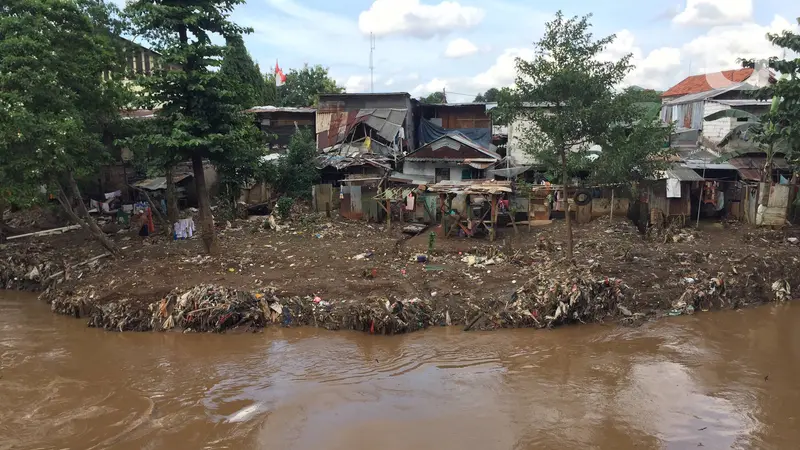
x=258 y=109
x=159 y=183
x=743 y=102
x=750 y=174
x=470 y=143
x=681 y=173
x=705 y=95
x=472 y=187
x=750 y=167
x=410 y=178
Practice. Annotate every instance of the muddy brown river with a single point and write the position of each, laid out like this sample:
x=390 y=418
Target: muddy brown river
x=718 y=381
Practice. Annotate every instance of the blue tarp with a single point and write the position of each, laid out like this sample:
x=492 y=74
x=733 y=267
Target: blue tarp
x=429 y=132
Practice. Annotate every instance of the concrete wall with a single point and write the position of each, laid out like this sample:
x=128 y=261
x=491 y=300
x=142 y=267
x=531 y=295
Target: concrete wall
x=715 y=130
x=514 y=149
x=429 y=168
x=773 y=204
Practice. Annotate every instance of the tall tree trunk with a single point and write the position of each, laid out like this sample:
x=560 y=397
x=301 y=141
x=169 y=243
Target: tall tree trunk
x=82 y=217
x=209 y=235
x=172 y=196
x=565 y=177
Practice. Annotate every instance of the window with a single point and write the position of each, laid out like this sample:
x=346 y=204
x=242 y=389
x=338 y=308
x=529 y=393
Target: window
x=742 y=119
x=139 y=56
x=442 y=174
x=147 y=64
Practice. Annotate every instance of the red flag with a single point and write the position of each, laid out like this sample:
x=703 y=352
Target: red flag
x=280 y=78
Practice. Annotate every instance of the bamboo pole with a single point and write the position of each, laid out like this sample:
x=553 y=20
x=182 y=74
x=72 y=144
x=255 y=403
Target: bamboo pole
x=493 y=232
x=612 y=205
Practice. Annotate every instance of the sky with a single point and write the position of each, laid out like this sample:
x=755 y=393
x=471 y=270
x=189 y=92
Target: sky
x=469 y=46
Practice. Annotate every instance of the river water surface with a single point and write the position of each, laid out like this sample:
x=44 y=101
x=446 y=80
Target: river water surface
x=720 y=380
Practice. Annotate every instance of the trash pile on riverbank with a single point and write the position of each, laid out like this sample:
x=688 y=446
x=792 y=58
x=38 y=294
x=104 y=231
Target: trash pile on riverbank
x=557 y=296
x=210 y=308
x=347 y=275
x=24 y=268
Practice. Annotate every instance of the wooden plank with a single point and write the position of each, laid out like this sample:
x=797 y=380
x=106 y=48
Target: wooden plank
x=45 y=232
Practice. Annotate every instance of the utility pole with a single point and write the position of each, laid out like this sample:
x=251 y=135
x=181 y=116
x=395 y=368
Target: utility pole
x=371 y=62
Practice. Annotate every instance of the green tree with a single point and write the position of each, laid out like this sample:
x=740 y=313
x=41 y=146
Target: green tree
x=781 y=127
x=198 y=116
x=434 y=98
x=569 y=95
x=640 y=95
x=243 y=76
x=303 y=87
x=296 y=171
x=490 y=96
x=56 y=101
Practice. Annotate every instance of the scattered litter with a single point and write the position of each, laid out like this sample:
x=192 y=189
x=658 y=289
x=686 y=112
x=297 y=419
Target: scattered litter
x=782 y=290
x=245 y=413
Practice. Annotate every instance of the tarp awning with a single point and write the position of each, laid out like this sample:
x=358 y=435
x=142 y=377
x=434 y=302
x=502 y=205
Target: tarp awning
x=429 y=132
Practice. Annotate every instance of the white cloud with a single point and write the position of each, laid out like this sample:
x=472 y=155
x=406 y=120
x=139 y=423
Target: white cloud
x=653 y=70
x=459 y=48
x=717 y=49
x=720 y=47
x=504 y=70
x=714 y=12
x=500 y=74
x=413 y=18
x=357 y=83
x=389 y=82
x=435 y=85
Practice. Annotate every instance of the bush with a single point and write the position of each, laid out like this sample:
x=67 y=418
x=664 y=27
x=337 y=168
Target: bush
x=285 y=206
x=296 y=171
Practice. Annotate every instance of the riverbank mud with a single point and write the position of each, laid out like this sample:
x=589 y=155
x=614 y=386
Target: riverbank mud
x=356 y=276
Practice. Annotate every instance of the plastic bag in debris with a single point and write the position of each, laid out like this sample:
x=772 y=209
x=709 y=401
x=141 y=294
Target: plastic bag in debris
x=554 y=297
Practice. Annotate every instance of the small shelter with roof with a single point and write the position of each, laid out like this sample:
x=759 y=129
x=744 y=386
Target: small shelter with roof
x=451 y=157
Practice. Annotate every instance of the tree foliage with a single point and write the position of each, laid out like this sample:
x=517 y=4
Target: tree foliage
x=434 y=98
x=56 y=105
x=243 y=76
x=198 y=117
x=296 y=172
x=778 y=131
x=302 y=87
x=640 y=95
x=570 y=96
x=490 y=96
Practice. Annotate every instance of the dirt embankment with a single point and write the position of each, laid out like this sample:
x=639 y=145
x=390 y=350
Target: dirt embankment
x=352 y=275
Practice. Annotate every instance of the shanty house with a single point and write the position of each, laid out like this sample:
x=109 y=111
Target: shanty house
x=469 y=119
x=280 y=123
x=336 y=111
x=687 y=104
x=362 y=135
x=451 y=157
